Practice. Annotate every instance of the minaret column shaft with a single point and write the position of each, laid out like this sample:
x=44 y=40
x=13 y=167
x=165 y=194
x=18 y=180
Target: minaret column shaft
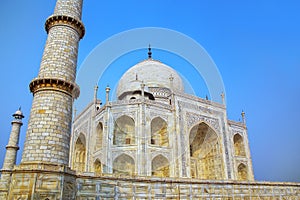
x=13 y=146
x=49 y=127
x=70 y=8
x=60 y=54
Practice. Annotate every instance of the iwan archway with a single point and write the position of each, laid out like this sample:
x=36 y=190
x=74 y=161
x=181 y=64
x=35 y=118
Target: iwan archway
x=206 y=160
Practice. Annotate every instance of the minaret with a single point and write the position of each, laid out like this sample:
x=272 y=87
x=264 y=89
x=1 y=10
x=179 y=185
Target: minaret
x=13 y=143
x=49 y=127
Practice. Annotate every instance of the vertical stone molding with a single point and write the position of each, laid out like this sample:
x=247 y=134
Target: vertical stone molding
x=13 y=143
x=54 y=89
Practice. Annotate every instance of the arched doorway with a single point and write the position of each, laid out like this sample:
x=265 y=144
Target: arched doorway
x=124 y=164
x=242 y=172
x=205 y=153
x=124 y=131
x=79 y=156
x=239 y=148
x=159 y=134
x=160 y=166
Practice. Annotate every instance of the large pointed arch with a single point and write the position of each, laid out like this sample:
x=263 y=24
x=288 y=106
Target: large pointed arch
x=124 y=164
x=239 y=147
x=159 y=132
x=205 y=153
x=242 y=172
x=160 y=166
x=79 y=156
x=124 y=131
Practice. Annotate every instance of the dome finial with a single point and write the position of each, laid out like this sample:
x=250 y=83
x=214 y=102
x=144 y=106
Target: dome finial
x=149 y=52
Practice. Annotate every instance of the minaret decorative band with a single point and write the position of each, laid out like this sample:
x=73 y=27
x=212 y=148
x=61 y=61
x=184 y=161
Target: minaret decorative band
x=61 y=20
x=40 y=84
x=54 y=89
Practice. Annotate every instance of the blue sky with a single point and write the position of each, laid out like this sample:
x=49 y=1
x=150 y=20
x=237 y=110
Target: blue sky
x=255 y=45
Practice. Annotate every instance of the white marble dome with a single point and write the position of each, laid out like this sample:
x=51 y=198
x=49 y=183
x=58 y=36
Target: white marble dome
x=152 y=73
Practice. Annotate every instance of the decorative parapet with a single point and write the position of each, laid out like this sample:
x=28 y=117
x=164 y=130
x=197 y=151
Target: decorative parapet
x=198 y=99
x=234 y=123
x=61 y=20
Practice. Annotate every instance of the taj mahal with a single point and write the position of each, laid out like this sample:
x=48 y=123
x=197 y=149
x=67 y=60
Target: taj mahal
x=153 y=141
x=155 y=129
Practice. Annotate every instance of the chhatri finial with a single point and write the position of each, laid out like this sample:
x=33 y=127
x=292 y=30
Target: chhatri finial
x=149 y=52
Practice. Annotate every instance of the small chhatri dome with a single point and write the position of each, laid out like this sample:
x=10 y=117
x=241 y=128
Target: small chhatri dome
x=152 y=73
x=18 y=114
